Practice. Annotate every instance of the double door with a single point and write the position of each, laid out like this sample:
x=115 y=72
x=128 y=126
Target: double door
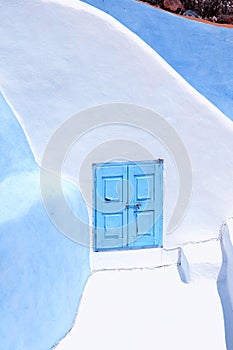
x=128 y=205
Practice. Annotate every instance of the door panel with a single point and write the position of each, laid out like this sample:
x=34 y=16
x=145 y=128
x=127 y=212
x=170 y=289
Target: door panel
x=113 y=190
x=113 y=226
x=128 y=205
x=144 y=207
x=110 y=211
x=144 y=223
x=144 y=187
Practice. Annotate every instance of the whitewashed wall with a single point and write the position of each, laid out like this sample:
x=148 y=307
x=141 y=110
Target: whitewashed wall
x=227 y=248
x=70 y=57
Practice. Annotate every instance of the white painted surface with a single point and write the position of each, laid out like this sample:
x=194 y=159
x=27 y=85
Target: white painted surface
x=69 y=57
x=201 y=260
x=60 y=57
x=148 y=309
x=227 y=241
x=129 y=259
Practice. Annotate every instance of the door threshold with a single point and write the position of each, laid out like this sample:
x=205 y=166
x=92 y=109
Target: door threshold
x=133 y=259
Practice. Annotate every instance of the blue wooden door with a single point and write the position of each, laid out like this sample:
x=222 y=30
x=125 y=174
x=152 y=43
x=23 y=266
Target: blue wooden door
x=110 y=212
x=128 y=205
x=145 y=204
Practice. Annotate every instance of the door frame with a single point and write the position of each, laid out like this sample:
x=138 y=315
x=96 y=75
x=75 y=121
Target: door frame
x=94 y=184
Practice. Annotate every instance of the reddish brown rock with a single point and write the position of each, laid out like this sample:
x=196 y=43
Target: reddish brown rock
x=173 y=5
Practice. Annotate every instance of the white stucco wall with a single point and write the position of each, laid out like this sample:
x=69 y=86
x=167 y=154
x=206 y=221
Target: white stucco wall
x=42 y=272
x=227 y=247
x=62 y=57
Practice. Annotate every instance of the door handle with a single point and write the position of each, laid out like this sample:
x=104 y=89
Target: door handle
x=137 y=206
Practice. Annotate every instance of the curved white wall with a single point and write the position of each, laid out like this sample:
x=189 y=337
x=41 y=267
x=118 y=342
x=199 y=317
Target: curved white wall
x=42 y=272
x=70 y=57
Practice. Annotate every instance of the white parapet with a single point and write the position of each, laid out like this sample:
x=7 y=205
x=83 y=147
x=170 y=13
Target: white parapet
x=201 y=260
x=227 y=250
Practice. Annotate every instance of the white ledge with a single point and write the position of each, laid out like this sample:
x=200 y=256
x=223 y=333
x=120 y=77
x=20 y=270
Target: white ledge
x=133 y=259
x=201 y=260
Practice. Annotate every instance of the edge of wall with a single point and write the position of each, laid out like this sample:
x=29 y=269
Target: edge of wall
x=227 y=247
